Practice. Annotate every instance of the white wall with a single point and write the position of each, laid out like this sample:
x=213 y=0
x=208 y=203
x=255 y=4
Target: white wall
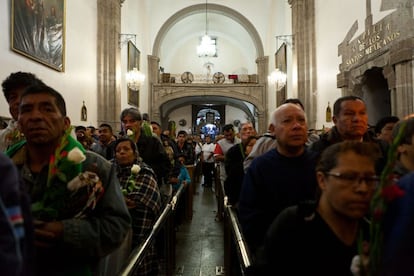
x=78 y=82
x=145 y=17
x=182 y=113
x=333 y=21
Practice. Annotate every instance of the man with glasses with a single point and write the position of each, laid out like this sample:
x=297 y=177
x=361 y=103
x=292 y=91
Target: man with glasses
x=324 y=237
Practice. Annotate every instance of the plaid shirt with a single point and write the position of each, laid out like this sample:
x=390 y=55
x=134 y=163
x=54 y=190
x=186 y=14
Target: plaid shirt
x=148 y=204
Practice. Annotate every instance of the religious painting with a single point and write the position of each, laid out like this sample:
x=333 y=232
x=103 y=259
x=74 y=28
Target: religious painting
x=38 y=31
x=133 y=62
x=281 y=64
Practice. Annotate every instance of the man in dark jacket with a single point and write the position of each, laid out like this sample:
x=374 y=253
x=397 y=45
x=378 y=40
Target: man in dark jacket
x=351 y=123
x=149 y=147
x=282 y=177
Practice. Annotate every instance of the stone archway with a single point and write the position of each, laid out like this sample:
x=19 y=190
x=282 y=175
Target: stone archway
x=253 y=93
x=386 y=44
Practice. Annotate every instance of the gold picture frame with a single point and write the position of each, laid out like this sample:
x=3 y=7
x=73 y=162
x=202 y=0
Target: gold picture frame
x=38 y=31
x=134 y=56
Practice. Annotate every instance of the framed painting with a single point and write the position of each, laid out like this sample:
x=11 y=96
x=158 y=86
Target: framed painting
x=281 y=64
x=133 y=62
x=38 y=31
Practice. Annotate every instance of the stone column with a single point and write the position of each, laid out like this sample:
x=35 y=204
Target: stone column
x=153 y=77
x=108 y=62
x=263 y=72
x=402 y=94
x=304 y=55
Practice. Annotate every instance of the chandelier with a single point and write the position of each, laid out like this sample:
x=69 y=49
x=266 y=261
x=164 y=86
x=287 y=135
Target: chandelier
x=277 y=78
x=207 y=47
x=134 y=79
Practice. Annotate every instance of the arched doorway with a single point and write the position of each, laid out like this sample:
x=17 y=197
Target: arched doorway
x=376 y=94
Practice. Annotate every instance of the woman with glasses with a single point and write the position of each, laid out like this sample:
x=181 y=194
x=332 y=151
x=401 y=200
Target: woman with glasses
x=322 y=237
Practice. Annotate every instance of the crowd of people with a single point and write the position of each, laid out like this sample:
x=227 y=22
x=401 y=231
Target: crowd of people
x=71 y=195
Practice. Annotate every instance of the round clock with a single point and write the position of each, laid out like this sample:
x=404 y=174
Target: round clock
x=182 y=122
x=187 y=77
x=218 y=77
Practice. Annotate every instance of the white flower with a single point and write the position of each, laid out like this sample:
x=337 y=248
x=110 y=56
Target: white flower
x=135 y=169
x=83 y=179
x=130 y=132
x=76 y=156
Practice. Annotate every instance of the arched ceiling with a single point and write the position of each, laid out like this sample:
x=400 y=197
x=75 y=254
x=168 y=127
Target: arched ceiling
x=222 y=22
x=188 y=24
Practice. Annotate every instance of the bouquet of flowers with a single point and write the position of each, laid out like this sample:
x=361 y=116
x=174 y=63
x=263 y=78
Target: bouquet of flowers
x=69 y=192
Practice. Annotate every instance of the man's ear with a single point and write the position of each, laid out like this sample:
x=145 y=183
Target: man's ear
x=401 y=148
x=334 y=120
x=66 y=121
x=321 y=178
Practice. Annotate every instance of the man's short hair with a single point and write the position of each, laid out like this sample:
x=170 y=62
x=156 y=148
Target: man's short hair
x=329 y=157
x=383 y=121
x=183 y=132
x=228 y=127
x=155 y=123
x=106 y=125
x=78 y=128
x=18 y=80
x=44 y=89
x=133 y=112
x=339 y=101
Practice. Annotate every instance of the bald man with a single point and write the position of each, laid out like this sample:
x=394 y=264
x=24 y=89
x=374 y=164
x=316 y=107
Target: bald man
x=282 y=177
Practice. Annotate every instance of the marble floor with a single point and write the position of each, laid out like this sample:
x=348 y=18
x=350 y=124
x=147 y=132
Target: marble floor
x=200 y=246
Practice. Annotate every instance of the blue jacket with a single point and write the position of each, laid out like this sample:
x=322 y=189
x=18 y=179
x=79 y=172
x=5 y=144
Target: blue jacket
x=399 y=231
x=13 y=240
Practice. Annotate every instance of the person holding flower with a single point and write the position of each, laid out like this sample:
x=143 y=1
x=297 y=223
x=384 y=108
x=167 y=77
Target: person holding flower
x=140 y=189
x=80 y=215
x=150 y=149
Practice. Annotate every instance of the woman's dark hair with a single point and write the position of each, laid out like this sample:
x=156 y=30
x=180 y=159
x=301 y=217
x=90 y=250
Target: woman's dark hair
x=132 y=143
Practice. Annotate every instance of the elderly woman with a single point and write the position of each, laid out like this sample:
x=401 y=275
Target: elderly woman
x=139 y=185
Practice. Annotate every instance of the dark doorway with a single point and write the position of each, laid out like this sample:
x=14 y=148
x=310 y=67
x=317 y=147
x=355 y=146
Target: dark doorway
x=376 y=94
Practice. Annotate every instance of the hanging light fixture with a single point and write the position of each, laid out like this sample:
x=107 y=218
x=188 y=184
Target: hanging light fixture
x=134 y=79
x=207 y=47
x=277 y=78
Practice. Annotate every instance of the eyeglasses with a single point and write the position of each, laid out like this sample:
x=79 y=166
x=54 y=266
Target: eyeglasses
x=354 y=179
